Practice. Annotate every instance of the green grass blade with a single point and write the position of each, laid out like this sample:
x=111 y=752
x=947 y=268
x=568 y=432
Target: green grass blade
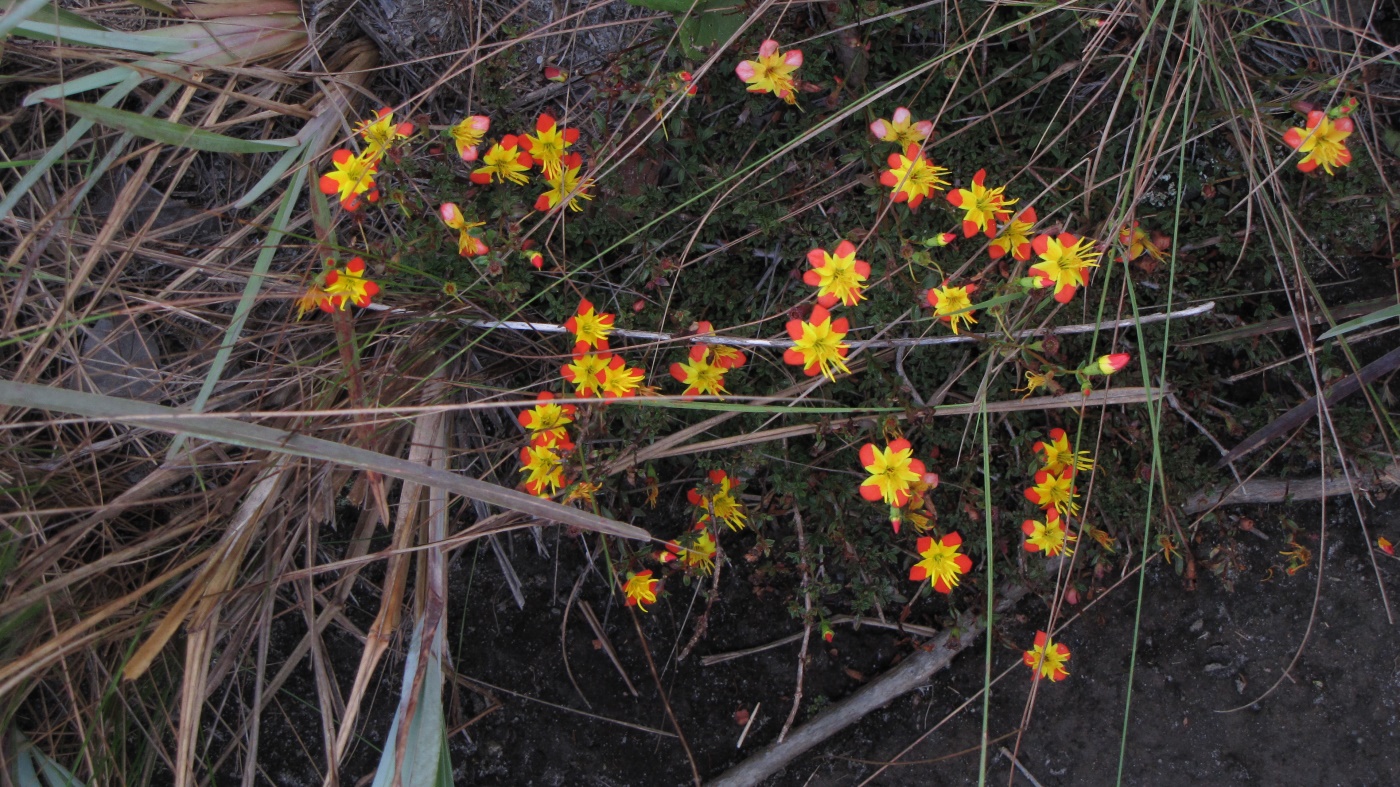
x=423 y=761
x=1361 y=322
x=19 y=12
x=107 y=39
x=64 y=144
x=176 y=134
x=227 y=430
x=103 y=78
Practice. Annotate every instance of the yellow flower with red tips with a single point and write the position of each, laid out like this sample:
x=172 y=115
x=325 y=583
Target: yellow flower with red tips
x=468 y=245
x=348 y=285
x=504 y=161
x=640 y=588
x=586 y=372
x=721 y=355
x=352 y=179
x=1059 y=455
x=817 y=344
x=772 y=71
x=912 y=176
x=1048 y=537
x=1047 y=659
x=590 y=328
x=468 y=134
x=547 y=145
x=567 y=185
x=700 y=377
x=543 y=466
x=620 y=380
x=953 y=304
x=1055 y=490
x=1324 y=142
x=382 y=133
x=1107 y=364
x=718 y=501
x=893 y=472
x=901 y=131
x=547 y=417
x=942 y=563
x=698 y=555
x=1064 y=263
x=982 y=207
x=1138 y=242
x=837 y=276
x=1015 y=238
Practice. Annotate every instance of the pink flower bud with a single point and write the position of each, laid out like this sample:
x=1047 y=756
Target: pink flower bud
x=1108 y=364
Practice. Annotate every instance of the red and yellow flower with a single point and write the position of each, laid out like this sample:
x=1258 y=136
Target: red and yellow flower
x=700 y=377
x=1064 y=263
x=893 y=472
x=348 y=285
x=586 y=373
x=1048 y=537
x=953 y=304
x=566 y=186
x=1059 y=455
x=698 y=553
x=1385 y=545
x=1014 y=238
x=1055 y=491
x=772 y=71
x=982 y=207
x=468 y=134
x=1035 y=380
x=721 y=355
x=382 y=133
x=837 y=276
x=504 y=161
x=1047 y=659
x=1107 y=364
x=352 y=179
x=590 y=328
x=468 y=245
x=1138 y=242
x=1324 y=142
x=547 y=418
x=942 y=563
x=640 y=588
x=620 y=381
x=912 y=176
x=544 y=467
x=817 y=344
x=548 y=144
x=717 y=500
x=901 y=131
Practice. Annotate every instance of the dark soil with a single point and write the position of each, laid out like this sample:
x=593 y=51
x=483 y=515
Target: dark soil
x=1332 y=719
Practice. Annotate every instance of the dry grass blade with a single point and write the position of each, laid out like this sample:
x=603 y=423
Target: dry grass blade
x=228 y=430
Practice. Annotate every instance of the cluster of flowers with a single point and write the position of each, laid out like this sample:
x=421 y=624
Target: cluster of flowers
x=695 y=551
x=702 y=373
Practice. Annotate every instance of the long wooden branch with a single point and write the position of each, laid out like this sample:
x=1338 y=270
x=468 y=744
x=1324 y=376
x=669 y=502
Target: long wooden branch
x=911 y=673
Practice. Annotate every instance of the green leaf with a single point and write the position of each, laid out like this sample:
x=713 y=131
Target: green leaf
x=423 y=763
x=704 y=31
x=170 y=133
x=45 y=12
x=107 y=39
x=1361 y=322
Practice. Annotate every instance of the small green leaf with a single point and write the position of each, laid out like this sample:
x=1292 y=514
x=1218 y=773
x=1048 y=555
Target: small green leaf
x=170 y=133
x=1361 y=322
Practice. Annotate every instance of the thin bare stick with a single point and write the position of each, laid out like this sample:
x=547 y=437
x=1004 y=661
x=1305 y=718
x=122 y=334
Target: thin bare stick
x=665 y=701
x=720 y=658
x=924 y=341
x=602 y=636
x=806 y=620
x=1278 y=490
x=747 y=726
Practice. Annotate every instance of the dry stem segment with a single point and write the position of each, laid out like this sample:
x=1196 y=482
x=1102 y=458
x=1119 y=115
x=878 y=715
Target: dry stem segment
x=909 y=675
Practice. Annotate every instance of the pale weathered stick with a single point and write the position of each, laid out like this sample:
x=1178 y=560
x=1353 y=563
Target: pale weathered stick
x=925 y=341
x=1279 y=490
x=909 y=675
